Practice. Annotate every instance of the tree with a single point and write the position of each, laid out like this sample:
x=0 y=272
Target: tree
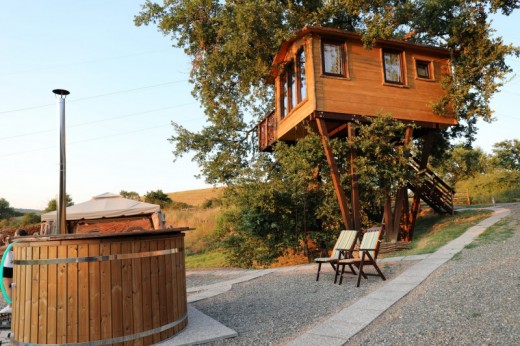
x=53 y=204
x=506 y=154
x=5 y=209
x=232 y=52
x=462 y=162
x=158 y=197
x=130 y=195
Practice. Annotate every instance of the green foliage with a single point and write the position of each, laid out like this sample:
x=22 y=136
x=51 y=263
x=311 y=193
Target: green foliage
x=503 y=186
x=130 y=195
x=462 y=162
x=30 y=219
x=6 y=211
x=53 y=204
x=158 y=197
x=276 y=206
x=382 y=158
x=507 y=154
x=211 y=203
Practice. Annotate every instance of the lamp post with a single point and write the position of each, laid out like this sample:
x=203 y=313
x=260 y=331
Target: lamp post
x=61 y=219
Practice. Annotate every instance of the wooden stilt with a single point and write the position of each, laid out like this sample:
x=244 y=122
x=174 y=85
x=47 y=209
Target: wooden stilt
x=356 y=205
x=428 y=141
x=393 y=234
x=340 y=193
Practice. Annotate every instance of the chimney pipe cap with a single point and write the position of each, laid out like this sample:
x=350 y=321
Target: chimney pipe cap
x=61 y=92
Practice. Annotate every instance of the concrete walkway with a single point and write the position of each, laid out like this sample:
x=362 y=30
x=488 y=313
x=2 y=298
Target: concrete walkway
x=342 y=326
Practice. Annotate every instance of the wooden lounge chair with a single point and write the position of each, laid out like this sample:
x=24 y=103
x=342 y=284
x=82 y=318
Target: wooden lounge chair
x=342 y=249
x=368 y=251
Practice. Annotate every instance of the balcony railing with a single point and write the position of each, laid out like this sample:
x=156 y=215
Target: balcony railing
x=267 y=132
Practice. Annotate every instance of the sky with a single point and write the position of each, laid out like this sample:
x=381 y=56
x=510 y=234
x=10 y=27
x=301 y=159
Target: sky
x=127 y=84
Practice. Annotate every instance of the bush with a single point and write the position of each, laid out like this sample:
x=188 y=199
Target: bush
x=30 y=219
x=503 y=186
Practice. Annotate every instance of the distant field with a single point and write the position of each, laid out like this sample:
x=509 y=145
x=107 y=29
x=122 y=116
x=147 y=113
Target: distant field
x=196 y=197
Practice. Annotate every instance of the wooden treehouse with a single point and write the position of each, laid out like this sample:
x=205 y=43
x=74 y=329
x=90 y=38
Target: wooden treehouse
x=326 y=78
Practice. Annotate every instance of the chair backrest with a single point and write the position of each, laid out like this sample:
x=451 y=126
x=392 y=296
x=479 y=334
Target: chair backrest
x=370 y=242
x=346 y=241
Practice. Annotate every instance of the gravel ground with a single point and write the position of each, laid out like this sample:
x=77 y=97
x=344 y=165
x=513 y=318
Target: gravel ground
x=271 y=309
x=474 y=299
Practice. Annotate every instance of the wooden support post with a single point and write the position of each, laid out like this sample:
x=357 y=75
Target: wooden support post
x=340 y=193
x=393 y=234
x=356 y=205
x=428 y=141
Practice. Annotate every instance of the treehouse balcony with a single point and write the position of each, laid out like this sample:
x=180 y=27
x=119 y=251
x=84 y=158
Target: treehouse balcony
x=324 y=73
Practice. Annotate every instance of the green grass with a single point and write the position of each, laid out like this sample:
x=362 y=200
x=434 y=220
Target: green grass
x=434 y=231
x=499 y=232
x=210 y=259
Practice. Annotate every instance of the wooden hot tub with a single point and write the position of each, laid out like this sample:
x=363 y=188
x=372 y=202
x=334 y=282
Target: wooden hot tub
x=99 y=289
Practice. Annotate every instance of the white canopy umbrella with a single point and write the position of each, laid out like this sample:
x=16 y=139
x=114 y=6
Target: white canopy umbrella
x=106 y=206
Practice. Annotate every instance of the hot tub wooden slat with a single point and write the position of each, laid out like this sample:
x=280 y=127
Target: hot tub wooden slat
x=137 y=293
x=163 y=312
x=106 y=294
x=27 y=298
x=72 y=295
x=117 y=294
x=126 y=279
x=18 y=295
x=52 y=279
x=147 y=292
x=61 y=293
x=154 y=277
x=43 y=308
x=94 y=294
x=34 y=294
x=122 y=290
x=83 y=296
x=170 y=294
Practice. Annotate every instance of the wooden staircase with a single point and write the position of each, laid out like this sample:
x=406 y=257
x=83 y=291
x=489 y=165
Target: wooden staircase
x=432 y=189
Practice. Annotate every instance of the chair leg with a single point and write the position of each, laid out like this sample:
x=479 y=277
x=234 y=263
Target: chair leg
x=342 y=272
x=318 y=275
x=352 y=269
x=379 y=271
x=360 y=270
x=337 y=273
x=373 y=262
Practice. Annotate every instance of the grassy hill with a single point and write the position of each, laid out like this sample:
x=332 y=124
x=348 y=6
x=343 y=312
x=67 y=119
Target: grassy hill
x=196 y=197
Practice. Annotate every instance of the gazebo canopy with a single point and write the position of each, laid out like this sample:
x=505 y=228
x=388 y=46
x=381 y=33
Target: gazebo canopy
x=106 y=205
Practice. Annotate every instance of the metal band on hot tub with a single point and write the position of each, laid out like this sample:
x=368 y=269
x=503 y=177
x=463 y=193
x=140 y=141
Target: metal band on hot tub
x=112 y=340
x=102 y=258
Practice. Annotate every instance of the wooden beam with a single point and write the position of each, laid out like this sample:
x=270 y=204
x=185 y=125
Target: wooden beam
x=338 y=129
x=400 y=195
x=428 y=141
x=356 y=205
x=340 y=193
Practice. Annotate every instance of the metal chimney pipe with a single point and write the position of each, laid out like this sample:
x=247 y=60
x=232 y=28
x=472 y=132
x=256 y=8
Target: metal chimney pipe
x=61 y=218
